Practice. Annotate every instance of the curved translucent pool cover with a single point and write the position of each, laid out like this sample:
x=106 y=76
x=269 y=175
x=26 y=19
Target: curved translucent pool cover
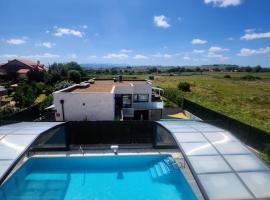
x=223 y=166
x=16 y=138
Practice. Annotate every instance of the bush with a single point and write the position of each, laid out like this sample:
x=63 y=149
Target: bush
x=74 y=76
x=250 y=78
x=227 y=76
x=174 y=95
x=61 y=85
x=184 y=86
x=267 y=151
x=24 y=96
x=7 y=110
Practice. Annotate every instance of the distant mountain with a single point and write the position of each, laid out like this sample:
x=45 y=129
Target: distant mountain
x=97 y=65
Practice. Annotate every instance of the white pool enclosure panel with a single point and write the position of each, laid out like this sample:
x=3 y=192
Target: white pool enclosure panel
x=223 y=166
x=16 y=138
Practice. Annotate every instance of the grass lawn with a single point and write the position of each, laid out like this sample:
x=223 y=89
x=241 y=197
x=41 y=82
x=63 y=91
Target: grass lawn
x=247 y=101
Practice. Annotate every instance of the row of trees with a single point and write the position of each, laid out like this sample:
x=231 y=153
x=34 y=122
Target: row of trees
x=58 y=77
x=58 y=72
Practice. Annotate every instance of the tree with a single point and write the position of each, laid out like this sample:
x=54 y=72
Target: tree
x=24 y=96
x=258 y=68
x=74 y=76
x=184 y=86
x=36 y=75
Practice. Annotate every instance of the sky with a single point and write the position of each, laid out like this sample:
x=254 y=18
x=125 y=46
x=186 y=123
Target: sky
x=137 y=32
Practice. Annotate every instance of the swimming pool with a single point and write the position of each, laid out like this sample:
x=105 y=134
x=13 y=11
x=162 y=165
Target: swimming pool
x=148 y=177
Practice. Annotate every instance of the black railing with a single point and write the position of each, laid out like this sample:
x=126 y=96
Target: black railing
x=110 y=132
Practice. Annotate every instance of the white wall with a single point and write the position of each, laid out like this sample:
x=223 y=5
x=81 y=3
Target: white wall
x=98 y=106
x=143 y=89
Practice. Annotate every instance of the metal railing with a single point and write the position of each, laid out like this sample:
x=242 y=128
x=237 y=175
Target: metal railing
x=128 y=112
x=148 y=105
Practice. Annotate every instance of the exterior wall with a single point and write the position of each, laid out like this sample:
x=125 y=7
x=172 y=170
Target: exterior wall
x=84 y=106
x=143 y=89
x=123 y=90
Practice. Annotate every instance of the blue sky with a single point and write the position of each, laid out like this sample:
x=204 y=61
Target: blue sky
x=137 y=32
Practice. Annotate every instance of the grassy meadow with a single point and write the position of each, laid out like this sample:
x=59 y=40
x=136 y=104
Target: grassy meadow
x=247 y=101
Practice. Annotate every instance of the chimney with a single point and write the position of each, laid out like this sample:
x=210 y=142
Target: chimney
x=38 y=62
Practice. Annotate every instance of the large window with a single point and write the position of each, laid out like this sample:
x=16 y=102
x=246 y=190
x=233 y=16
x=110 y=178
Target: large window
x=141 y=97
x=127 y=101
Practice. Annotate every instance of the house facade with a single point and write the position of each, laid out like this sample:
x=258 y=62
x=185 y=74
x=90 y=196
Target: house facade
x=106 y=99
x=21 y=67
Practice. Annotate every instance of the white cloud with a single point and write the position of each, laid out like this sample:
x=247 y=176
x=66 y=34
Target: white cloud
x=44 y=55
x=198 y=41
x=251 y=52
x=92 y=57
x=48 y=45
x=66 y=31
x=116 y=56
x=140 y=57
x=47 y=31
x=216 y=49
x=159 y=55
x=72 y=56
x=8 y=56
x=84 y=26
x=217 y=56
x=198 y=51
x=251 y=35
x=223 y=3
x=125 y=51
x=186 y=58
x=16 y=41
x=230 y=38
x=250 y=30
x=161 y=21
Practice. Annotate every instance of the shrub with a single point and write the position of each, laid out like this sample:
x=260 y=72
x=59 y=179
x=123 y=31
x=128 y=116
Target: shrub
x=74 y=76
x=7 y=110
x=250 y=78
x=24 y=96
x=267 y=151
x=174 y=95
x=61 y=85
x=184 y=86
x=227 y=76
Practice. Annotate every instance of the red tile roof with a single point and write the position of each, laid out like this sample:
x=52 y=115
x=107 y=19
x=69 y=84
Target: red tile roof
x=23 y=71
x=31 y=64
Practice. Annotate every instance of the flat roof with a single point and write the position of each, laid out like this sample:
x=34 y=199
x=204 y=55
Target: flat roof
x=105 y=85
x=223 y=166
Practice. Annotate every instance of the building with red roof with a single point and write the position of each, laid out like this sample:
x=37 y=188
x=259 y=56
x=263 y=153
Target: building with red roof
x=21 y=67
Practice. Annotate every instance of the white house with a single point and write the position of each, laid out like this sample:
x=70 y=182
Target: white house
x=106 y=99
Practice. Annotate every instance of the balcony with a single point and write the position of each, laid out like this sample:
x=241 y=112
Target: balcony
x=128 y=112
x=148 y=105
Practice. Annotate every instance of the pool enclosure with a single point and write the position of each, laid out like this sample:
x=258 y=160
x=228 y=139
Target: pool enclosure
x=223 y=167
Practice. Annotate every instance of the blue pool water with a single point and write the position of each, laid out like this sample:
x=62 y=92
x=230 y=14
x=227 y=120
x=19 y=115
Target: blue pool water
x=153 y=177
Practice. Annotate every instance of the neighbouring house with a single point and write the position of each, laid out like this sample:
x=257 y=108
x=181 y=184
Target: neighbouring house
x=3 y=91
x=21 y=67
x=107 y=99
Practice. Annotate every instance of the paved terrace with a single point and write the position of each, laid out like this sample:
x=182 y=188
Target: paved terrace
x=16 y=138
x=222 y=166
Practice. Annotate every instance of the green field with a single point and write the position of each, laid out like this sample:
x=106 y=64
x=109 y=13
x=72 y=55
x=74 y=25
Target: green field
x=247 y=101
